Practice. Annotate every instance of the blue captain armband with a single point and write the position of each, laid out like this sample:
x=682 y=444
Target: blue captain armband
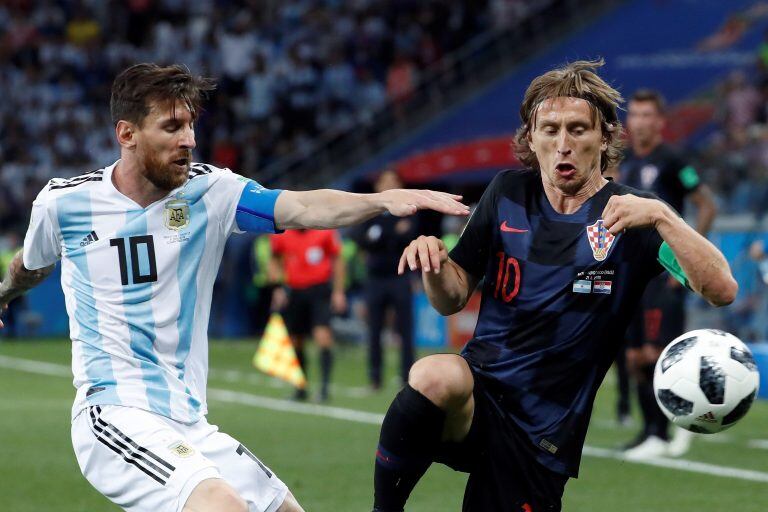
x=256 y=209
x=668 y=260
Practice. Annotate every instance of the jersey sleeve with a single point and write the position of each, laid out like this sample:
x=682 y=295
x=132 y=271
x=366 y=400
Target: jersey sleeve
x=687 y=177
x=276 y=244
x=42 y=246
x=471 y=251
x=246 y=205
x=652 y=243
x=333 y=243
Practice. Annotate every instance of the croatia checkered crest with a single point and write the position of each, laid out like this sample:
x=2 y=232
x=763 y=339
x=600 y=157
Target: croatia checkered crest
x=600 y=239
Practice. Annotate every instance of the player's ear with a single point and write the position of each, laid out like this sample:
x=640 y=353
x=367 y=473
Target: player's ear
x=604 y=144
x=125 y=132
x=529 y=140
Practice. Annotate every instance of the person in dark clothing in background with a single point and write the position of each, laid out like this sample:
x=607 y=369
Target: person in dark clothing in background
x=383 y=239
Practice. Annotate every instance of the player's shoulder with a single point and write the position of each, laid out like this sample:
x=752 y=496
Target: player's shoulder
x=670 y=157
x=59 y=187
x=619 y=189
x=511 y=180
x=197 y=169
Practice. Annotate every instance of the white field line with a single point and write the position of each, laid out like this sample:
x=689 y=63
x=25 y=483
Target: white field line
x=369 y=418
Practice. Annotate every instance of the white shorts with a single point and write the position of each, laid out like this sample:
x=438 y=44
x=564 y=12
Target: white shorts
x=145 y=462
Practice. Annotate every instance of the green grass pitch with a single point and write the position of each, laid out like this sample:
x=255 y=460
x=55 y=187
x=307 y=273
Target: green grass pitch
x=327 y=462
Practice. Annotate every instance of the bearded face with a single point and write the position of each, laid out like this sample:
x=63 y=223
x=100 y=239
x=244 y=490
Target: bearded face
x=164 y=145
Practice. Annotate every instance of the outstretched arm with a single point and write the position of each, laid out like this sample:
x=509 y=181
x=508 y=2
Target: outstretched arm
x=704 y=266
x=18 y=280
x=327 y=209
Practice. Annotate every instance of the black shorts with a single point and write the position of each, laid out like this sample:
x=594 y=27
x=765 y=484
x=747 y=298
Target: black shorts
x=308 y=308
x=661 y=316
x=504 y=474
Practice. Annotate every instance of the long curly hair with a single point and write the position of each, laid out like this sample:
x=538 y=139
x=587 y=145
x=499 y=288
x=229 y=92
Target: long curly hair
x=575 y=80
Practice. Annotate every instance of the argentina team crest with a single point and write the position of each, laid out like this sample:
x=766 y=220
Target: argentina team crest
x=176 y=214
x=600 y=240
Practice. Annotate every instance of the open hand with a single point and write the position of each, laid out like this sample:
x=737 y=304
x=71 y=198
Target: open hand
x=630 y=211
x=426 y=252
x=402 y=202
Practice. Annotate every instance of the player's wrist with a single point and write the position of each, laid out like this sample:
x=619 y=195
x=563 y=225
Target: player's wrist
x=662 y=215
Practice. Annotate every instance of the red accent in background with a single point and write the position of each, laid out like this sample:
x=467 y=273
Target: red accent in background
x=480 y=154
x=683 y=120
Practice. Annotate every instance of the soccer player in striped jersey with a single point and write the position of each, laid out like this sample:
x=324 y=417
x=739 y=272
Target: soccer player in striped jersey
x=564 y=256
x=140 y=242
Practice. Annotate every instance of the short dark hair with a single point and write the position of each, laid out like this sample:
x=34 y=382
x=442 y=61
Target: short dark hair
x=652 y=95
x=575 y=80
x=135 y=88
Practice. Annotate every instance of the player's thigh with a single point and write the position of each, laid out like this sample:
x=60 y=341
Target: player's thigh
x=215 y=495
x=257 y=484
x=137 y=459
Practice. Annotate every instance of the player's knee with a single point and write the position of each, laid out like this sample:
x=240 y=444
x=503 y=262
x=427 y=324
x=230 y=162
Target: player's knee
x=323 y=337
x=215 y=496
x=445 y=380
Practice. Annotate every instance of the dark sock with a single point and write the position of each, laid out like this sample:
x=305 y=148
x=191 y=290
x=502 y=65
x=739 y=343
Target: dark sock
x=302 y=359
x=410 y=437
x=652 y=423
x=326 y=362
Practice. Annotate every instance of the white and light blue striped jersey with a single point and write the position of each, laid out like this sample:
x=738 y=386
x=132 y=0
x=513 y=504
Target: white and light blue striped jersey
x=138 y=281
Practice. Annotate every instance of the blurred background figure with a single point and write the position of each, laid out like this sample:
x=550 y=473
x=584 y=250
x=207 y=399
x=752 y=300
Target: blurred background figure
x=383 y=239
x=10 y=244
x=309 y=264
x=650 y=164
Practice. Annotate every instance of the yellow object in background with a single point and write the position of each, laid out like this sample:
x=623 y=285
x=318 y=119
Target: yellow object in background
x=275 y=355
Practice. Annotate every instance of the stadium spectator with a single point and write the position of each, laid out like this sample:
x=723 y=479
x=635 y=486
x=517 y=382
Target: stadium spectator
x=383 y=239
x=293 y=71
x=309 y=263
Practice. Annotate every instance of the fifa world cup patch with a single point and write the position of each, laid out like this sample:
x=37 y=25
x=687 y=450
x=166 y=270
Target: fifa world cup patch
x=600 y=239
x=181 y=449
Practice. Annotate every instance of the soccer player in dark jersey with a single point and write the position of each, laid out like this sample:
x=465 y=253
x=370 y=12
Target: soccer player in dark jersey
x=564 y=256
x=650 y=164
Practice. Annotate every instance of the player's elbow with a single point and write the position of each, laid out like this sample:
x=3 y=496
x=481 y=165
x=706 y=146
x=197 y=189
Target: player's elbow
x=723 y=292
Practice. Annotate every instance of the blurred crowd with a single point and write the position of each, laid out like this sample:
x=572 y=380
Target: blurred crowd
x=734 y=158
x=291 y=72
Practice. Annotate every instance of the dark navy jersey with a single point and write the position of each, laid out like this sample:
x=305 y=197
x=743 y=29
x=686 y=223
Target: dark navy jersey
x=558 y=292
x=663 y=172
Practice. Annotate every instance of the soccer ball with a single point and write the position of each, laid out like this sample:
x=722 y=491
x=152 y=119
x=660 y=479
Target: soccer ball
x=705 y=380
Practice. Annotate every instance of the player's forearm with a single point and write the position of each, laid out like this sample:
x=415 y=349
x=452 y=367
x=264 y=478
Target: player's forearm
x=18 y=279
x=448 y=291
x=704 y=265
x=327 y=209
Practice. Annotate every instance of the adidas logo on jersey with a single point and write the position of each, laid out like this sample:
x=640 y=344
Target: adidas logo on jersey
x=708 y=417
x=89 y=239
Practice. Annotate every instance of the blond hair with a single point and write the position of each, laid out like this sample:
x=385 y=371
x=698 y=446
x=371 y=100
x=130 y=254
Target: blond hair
x=575 y=80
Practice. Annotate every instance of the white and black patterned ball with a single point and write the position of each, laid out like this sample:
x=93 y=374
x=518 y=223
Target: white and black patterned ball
x=705 y=380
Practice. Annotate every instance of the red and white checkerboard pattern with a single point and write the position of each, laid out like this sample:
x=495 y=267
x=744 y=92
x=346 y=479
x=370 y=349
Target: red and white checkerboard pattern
x=600 y=240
